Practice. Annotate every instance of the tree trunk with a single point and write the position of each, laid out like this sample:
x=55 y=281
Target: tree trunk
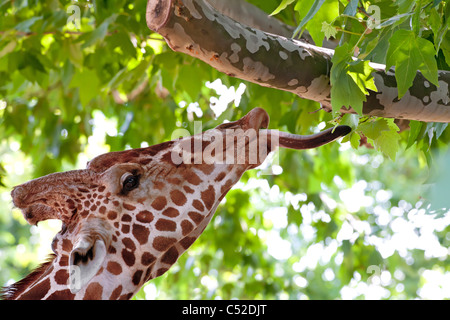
x=194 y=27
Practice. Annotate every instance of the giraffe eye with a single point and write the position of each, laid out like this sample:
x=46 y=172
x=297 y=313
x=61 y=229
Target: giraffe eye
x=130 y=182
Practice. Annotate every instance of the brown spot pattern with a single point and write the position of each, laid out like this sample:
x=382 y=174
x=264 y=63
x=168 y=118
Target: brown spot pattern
x=163 y=243
x=208 y=196
x=94 y=291
x=147 y=258
x=159 y=203
x=114 y=268
x=171 y=256
x=165 y=225
x=61 y=276
x=144 y=216
x=171 y=212
x=195 y=216
x=187 y=242
x=137 y=277
x=197 y=204
x=129 y=207
x=112 y=215
x=186 y=227
x=128 y=257
x=178 y=197
x=191 y=177
x=116 y=293
x=141 y=233
x=228 y=184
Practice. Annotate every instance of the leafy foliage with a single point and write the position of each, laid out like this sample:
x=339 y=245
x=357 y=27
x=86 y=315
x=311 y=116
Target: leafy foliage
x=405 y=34
x=349 y=80
x=410 y=53
x=329 y=226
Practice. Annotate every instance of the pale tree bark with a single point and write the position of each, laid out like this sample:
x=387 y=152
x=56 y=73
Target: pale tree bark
x=196 y=28
x=246 y=13
x=250 y=15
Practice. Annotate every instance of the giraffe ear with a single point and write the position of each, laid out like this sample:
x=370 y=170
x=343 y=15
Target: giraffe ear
x=85 y=260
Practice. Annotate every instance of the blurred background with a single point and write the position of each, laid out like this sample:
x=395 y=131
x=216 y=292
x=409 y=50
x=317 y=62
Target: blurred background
x=337 y=222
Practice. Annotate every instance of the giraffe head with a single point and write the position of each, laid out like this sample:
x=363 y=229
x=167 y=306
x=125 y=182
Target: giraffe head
x=129 y=215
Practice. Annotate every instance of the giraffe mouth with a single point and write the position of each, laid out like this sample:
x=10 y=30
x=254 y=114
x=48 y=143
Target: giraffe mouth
x=37 y=198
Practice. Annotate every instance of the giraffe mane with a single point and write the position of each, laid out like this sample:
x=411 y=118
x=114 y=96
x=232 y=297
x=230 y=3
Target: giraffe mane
x=13 y=291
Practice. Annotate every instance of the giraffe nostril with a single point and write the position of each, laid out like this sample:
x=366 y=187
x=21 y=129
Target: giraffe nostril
x=28 y=213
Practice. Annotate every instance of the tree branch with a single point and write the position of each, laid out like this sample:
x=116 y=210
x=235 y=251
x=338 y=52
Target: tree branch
x=247 y=14
x=194 y=27
x=250 y=15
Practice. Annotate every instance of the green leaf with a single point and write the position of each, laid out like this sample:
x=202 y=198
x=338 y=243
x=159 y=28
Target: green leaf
x=122 y=41
x=435 y=129
x=313 y=20
x=24 y=26
x=415 y=21
x=414 y=131
x=445 y=47
x=395 y=19
x=361 y=73
x=98 y=34
x=373 y=129
x=282 y=6
x=355 y=139
x=351 y=120
x=384 y=134
x=192 y=88
x=311 y=13
x=410 y=53
x=88 y=84
x=8 y=48
x=388 y=143
x=350 y=9
x=329 y=30
x=349 y=80
x=74 y=52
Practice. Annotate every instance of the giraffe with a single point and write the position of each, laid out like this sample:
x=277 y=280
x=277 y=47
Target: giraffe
x=129 y=215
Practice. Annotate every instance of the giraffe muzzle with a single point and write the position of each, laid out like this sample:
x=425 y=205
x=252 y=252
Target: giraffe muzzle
x=36 y=197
